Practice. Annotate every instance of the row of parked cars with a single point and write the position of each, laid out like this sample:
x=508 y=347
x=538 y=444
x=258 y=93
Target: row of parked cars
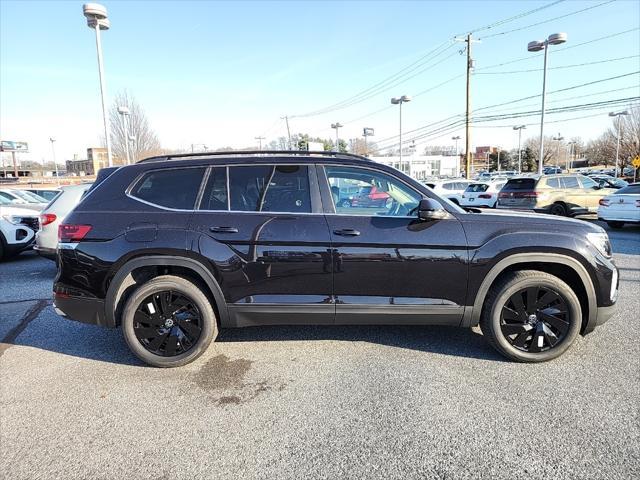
x=614 y=200
x=29 y=217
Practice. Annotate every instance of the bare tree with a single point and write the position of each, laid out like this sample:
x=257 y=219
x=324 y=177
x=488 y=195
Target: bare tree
x=145 y=142
x=602 y=150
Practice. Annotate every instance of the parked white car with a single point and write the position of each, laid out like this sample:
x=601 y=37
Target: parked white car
x=17 y=228
x=53 y=215
x=451 y=189
x=22 y=199
x=483 y=195
x=622 y=206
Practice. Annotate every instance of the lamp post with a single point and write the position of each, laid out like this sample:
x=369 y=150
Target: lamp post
x=55 y=164
x=558 y=139
x=570 y=153
x=536 y=46
x=132 y=139
x=124 y=113
x=400 y=101
x=618 y=114
x=367 y=132
x=519 y=129
x=260 y=138
x=96 y=15
x=337 y=126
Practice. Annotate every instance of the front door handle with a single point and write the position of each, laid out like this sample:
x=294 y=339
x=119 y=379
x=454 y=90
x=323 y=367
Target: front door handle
x=223 y=229
x=347 y=232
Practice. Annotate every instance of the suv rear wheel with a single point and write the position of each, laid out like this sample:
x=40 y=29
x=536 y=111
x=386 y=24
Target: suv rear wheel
x=531 y=316
x=558 y=209
x=168 y=322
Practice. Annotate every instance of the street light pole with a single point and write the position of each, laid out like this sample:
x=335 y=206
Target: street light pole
x=96 y=15
x=124 y=113
x=337 y=126
x=399 y=101
x=559 y=138
x=55 y=164
x=367 y=132
x=456 y=138
x=536 y=46
x=614 y=115
x=259 y=142
x=519 y=129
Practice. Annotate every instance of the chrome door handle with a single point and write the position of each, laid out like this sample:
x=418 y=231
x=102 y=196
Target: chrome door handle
x=223 y=229
x=347 y=232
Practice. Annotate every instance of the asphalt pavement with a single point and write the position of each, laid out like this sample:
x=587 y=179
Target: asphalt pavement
x=314 y=402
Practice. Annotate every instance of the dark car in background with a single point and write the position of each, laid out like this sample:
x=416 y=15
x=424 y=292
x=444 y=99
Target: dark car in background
x=175 y=247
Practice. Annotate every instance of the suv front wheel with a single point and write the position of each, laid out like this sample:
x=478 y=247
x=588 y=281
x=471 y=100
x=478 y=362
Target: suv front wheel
x=531 y=316
x=168 y=322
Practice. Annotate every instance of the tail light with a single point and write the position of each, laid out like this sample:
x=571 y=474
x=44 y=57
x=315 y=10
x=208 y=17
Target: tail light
x=47 y=218
x=484 y=195
x=72 y=233
x=603 y=202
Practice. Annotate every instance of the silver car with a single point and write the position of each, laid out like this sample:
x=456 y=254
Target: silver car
x=53 y=215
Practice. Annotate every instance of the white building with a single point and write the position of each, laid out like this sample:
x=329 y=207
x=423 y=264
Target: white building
x=421 y=167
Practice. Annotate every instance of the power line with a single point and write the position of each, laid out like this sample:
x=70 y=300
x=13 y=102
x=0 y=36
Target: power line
x=548 y=20
x=559 y=67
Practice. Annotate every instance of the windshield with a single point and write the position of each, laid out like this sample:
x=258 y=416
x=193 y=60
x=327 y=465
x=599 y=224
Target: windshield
x=28 y=196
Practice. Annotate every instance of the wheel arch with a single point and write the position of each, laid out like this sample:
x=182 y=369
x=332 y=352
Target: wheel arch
x=568 y=269
x=188 y=267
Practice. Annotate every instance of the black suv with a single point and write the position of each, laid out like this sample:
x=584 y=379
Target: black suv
x=173 y=248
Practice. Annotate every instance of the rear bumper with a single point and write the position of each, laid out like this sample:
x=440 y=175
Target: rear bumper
x=49 y=253
x=85 y=310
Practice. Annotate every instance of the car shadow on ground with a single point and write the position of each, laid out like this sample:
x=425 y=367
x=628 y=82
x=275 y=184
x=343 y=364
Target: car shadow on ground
x=48 y=332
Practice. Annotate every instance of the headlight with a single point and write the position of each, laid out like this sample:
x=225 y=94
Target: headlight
x=13 y=219
x=600 y=240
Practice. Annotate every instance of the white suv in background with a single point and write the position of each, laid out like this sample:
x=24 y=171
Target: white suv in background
x=451 y=189
x=18 y=228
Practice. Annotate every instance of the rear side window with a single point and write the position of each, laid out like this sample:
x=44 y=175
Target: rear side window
x=270 y=188
x=520 y=184
x=172 y=188
x=554 y=183
x=629 y=190
x=215 y=192
x=571 y=182
x=477 y=187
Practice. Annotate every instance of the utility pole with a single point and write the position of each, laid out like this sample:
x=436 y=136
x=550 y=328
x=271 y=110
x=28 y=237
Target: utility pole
x=286 y=119
x=470 y=64
x=260 y=141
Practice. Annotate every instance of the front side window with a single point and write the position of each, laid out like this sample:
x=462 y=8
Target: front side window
x=588 y=183
x=377 y=194
x=172 y=188
x=270 y=188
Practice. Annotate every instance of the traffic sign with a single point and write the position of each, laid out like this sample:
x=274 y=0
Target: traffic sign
x=636 y=162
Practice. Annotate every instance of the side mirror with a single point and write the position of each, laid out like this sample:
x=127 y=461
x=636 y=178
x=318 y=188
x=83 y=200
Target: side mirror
x=429 y=209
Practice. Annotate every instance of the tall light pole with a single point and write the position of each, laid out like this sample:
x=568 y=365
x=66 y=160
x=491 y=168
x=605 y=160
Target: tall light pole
x=519 y=129
x=286 y=119
x=570 y=153
x=367 y=132
x=499 y=150
x=400 y=101
x=260 y=138
x=124 y=113
x=132 y=139
x=337 y=126
x=96 y=15
x=55 y=164
x=614 y=115
x=558 y=139
x=456 y=138
x=536 y=46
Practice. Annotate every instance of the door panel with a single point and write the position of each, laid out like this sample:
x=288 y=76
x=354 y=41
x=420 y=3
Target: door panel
x=274 y=268
x=397 y=269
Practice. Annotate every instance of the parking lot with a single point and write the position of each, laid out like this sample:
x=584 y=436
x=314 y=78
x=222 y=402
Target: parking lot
x=314 y=402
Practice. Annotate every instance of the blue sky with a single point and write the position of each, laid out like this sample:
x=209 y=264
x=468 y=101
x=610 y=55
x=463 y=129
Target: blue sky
x=222 y=73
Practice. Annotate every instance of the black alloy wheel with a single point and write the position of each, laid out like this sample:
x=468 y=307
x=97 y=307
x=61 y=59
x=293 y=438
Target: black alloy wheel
x=167 y=323
x=535 y=319
x=558 y=209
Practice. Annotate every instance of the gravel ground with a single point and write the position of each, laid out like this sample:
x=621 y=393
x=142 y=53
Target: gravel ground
x=314 y=402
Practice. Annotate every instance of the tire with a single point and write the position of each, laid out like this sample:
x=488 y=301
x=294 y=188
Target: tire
x=558 y=209
x=515 y=332
x=180 y=337
x=616 y=224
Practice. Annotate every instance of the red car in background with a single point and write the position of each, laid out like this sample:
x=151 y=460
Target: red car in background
x=370 y=196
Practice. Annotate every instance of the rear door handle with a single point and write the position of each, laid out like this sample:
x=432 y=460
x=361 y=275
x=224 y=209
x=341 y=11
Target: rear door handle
x=347 y=232
x=224 y=229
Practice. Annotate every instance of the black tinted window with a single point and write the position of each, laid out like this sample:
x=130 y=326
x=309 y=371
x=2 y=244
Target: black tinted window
x=215 y=192
x=520 y=184
x=571 y=182
x=270 y=188
x=172 y=188
x=477 y=187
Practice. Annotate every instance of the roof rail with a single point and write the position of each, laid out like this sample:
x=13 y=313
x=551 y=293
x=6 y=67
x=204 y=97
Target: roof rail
x=161 y=158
